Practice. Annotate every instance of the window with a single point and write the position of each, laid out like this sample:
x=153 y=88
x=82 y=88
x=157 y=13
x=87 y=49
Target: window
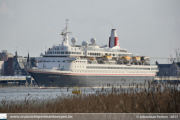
x=154 y=68
x=95 y=67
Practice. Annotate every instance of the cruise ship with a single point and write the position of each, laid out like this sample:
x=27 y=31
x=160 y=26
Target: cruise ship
x=91 y=65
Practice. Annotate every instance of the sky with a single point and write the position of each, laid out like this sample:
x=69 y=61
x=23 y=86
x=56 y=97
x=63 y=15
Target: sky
x=144 y=27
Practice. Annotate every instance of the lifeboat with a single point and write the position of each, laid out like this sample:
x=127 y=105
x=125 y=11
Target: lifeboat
x=145 y=60
x=107 y=57
x=92 y=58
x=125 y=59
x=136 y=59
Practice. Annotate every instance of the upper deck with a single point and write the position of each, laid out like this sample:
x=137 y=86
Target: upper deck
x=92 y=53
x=84 y=51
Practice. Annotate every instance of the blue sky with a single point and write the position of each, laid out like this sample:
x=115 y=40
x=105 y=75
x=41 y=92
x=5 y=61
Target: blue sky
x=145 y=27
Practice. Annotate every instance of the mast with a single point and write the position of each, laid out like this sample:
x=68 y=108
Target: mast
x=65 y=33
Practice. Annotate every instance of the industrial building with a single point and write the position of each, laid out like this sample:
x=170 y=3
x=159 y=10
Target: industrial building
x=169 y=73
x=5 y=57
x=14 y=65
x=12 y=68
x=172 y=69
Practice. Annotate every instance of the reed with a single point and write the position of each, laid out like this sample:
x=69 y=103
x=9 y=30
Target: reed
x=162 y=98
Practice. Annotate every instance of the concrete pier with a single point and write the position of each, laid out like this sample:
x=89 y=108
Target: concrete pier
x=16 y=80
x=166 y=79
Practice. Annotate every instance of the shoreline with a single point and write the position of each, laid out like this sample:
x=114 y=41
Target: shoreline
x=154 y=99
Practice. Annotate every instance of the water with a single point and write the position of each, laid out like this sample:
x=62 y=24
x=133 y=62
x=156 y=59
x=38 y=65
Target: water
x=30 y=93
x=34 y=93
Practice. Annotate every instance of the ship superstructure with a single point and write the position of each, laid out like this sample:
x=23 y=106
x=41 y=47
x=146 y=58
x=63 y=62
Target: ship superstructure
x=91 y=65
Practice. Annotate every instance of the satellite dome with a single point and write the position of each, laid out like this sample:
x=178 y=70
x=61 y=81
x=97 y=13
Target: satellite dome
x=84 y=43
x=73 y=40
x=93 y=41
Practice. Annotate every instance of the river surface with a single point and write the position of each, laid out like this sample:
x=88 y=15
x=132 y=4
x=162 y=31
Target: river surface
x=35 y=93
x=29 y=93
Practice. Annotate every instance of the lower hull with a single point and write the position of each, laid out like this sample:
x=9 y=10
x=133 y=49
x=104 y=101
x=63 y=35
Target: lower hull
x=63 y=80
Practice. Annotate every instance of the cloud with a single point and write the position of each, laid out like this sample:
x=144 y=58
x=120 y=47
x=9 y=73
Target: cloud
x=6 y=10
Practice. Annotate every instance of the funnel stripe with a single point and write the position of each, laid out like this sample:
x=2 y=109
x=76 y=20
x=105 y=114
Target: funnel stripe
x=115 y=41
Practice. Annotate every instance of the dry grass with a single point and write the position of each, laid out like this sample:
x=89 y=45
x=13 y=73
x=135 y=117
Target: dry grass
x=153 y=99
